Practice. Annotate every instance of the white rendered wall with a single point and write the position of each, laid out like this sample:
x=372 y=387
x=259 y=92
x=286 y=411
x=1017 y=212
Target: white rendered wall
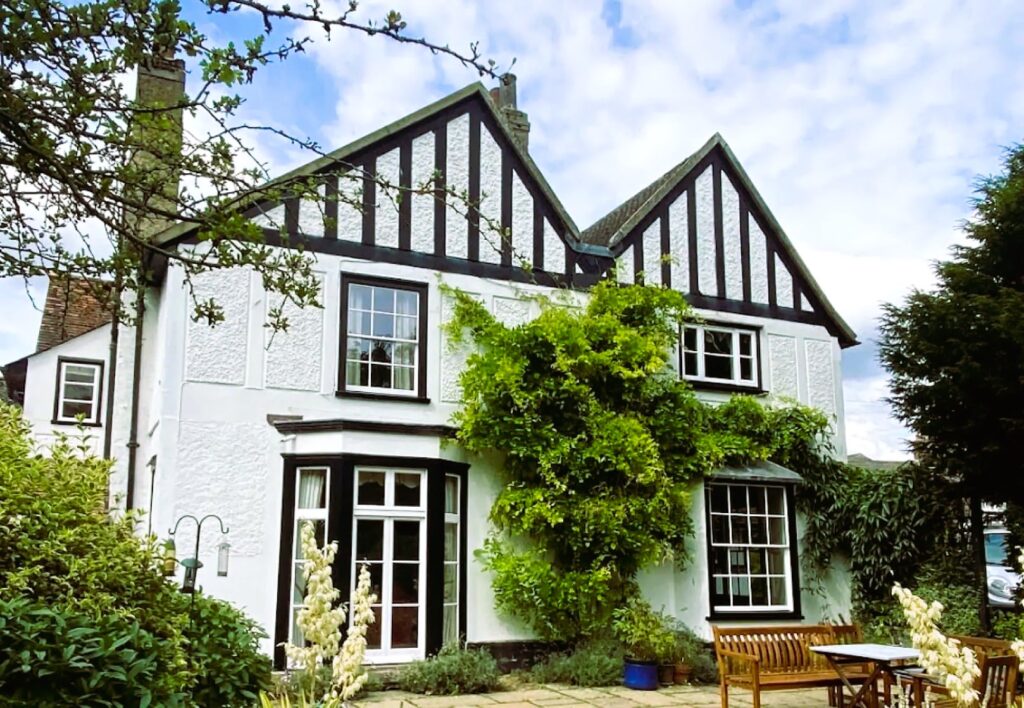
x=217 y=453
x=41 y=384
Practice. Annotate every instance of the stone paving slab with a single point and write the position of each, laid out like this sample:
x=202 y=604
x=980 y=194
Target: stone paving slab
x=557 y=696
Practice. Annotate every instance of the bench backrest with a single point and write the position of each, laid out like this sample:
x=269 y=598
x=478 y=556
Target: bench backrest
x=984 y=646
x=781 y=648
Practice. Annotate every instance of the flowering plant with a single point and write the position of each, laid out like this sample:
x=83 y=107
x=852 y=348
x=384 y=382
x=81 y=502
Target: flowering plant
x=320 y=622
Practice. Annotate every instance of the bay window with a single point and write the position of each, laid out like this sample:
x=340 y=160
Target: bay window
x=401 y=518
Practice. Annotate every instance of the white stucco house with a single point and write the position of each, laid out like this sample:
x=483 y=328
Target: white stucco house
x=343 y=419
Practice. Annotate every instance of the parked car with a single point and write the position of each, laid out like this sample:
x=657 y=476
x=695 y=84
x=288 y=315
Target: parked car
x=1001 y=578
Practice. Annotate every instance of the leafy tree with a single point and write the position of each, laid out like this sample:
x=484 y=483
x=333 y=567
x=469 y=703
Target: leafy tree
x=602 y=443
x=88 y=174
x=955 y=354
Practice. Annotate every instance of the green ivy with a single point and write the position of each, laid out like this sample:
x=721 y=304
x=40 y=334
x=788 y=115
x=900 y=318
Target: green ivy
x=602 y=443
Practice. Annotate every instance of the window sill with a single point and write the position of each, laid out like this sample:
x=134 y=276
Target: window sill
x=725 y=387
x=75 y=423
x=370 y=396
x=747 y=616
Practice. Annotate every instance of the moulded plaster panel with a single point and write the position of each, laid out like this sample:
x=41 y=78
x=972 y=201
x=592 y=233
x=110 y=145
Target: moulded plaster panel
x=222 y=470
x=783 y=284
x=512 y=311
x=652 y=253
x=522 y=223
x=387 y=200
x=350 y=206
x=731 y=240
x=293 y=357
x=422 y=227
x=272 y=218
x=783 y=366
x=554 y=250
x=758 y=263
x=311 y=214
x=624 y=262
x=805 y=305
x=490 y=198
x=679 y=244
x=457 y=163
x=821 y=389
x=707 y=278
x=218 y=354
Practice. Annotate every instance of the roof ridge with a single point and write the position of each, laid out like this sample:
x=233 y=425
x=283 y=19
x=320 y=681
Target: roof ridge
x=611 y=228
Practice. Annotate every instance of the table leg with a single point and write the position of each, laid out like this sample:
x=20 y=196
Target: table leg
x=866 y=695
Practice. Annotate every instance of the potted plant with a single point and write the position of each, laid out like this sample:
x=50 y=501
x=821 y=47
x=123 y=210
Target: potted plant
x=682 y=646
x=692 y=660
x=647 y=640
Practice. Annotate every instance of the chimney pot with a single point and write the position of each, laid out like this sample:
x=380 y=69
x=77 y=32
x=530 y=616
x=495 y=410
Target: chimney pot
x=504 y=97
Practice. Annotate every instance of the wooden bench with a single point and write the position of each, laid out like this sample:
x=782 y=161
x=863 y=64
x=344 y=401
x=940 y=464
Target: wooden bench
x=779 y=658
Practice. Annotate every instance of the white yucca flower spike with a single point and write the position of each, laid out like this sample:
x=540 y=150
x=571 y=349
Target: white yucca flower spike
x=348 y=676
x=955 y=666
x=319 y=619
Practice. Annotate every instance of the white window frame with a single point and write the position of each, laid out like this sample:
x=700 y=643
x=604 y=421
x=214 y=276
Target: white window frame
x=349 y=335
x=456 y=519
x=736 y=357
x=97 y=387
x=302 y=515
x=786 y=547
x=389 y=513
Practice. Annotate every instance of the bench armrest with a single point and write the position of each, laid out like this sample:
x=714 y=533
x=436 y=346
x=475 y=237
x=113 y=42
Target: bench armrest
x=735 y=662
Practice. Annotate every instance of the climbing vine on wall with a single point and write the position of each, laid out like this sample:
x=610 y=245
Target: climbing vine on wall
x=602 y=443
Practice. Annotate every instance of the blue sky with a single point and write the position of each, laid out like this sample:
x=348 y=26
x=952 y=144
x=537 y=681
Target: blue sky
x=863 y=124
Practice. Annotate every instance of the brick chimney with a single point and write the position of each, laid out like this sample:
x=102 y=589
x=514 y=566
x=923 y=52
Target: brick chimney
x=504 y=96
x=157 y=137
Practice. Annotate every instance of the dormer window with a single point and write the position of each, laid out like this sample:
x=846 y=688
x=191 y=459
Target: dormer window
x=720 y=355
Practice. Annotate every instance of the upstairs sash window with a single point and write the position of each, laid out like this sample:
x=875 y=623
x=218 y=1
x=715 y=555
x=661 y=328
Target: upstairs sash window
x=720 y=355
x=384 y=330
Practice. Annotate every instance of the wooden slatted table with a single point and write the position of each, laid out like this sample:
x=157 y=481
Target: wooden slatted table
x=884 y=660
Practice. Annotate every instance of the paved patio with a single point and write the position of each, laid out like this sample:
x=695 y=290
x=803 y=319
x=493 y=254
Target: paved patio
x=612 y=697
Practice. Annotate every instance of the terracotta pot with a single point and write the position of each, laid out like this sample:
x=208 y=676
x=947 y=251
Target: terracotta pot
x=681 y=673
x=666 y=674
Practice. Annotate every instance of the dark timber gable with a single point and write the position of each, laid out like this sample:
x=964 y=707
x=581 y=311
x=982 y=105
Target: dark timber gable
x=464 y=141
x=703 y=229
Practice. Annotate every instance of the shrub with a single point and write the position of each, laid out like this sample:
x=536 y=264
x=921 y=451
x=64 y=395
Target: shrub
x=224 y=655
x=56 y=657
x=454 y=670
x=596 y=663
x=61 y=548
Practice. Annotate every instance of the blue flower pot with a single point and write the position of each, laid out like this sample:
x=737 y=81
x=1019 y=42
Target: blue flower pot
x=640 y=675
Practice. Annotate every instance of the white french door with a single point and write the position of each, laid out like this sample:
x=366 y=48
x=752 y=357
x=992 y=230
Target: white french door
x=389 y=538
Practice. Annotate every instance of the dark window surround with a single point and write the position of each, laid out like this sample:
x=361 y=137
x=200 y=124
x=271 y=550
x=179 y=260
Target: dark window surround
x=339 y=528
x=794 y=560
x=61 y=361
x=418 y=396
x=756 y=388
